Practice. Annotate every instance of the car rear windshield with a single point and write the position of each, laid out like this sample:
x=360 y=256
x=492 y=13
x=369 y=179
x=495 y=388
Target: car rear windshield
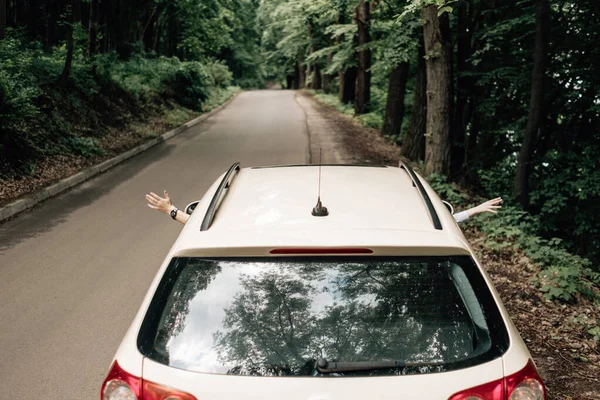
x=284 y=316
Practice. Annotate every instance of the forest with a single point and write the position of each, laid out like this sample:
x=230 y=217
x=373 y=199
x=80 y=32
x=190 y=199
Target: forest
x=70 y=70
x=500 y=97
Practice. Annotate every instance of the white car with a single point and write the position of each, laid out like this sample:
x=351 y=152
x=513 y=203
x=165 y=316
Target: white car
x=266 y=296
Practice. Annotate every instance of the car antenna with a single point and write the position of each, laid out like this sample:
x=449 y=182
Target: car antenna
x=319 y=210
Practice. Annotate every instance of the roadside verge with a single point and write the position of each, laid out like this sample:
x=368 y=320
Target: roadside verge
x=30 y=200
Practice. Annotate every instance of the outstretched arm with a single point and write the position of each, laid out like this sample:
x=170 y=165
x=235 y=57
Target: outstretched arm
x=489 y=206
x=165 y=205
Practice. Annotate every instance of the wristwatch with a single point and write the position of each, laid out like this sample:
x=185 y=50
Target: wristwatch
x=174 y=213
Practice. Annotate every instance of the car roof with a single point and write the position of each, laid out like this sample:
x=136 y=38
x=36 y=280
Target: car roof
x=368 y=205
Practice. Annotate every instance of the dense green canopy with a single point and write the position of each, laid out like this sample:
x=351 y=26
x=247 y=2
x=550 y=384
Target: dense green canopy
x=516 y=69
x=501 y=95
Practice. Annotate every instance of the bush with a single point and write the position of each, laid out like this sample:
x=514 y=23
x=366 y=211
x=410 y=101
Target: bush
x=563 y=275
x=333 y=101
x=18 y=95
x=140 y=77
x=84 y=146
x=190 y=84
x=445 y=189
x=39 y=118
x=219 y=96
x=371 y=120
x=220 y=73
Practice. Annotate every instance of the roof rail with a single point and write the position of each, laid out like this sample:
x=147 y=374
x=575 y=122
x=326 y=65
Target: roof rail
x=417 y=183
x=219 y=194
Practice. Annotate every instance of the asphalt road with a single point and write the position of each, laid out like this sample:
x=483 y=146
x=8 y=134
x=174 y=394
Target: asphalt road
x=74 y=270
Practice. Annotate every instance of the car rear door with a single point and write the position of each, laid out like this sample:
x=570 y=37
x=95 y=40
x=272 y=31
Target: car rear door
x=435 y=386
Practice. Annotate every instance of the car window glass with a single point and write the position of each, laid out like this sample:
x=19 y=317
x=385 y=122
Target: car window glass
x=276 y=317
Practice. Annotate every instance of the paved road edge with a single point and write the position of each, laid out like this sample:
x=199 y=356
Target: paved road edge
x=27 y=202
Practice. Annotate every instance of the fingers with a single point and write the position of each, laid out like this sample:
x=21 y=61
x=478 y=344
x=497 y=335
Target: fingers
x=167 y=196
x=152 y=207
x=152 y=200
x=154 y=196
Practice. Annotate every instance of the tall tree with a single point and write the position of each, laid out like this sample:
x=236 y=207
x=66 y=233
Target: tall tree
x=394 y=109
x=536 y=102
x=347 y=79
x=325 y=77
x=465 y=87
x=438 y=61
x=93 y=28
x=313 y=69
x=3 y=9
x=413 y=145
x=64 y=76
x=301 y=75
x=347 y=70
x=363 y=77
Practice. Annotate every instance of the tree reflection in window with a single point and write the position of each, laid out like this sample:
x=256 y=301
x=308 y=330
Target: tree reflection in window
x=290 y=313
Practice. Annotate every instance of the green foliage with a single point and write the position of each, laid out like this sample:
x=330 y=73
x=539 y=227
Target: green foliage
x=414 y=6
x=221 y=75
x=371 y=120
x=566 y=195
x=18 y=94
x=595 y=331
x=447 y=190
x=563 y=276
x=333 y=101
x=498 y=179
x=140 y=77
x=219 y=96
x=85 y=146
x=189 y=83
x=40 y=119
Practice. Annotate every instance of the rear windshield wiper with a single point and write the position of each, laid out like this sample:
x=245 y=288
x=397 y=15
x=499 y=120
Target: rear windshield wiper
x=325 y=367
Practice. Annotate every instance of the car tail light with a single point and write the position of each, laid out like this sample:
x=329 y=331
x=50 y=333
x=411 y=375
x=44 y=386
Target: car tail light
x=523 y=385
x=152 y=391
x=489 y=391
x=121 y=385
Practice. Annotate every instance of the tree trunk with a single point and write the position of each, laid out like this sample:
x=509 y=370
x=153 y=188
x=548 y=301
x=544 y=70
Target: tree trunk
x=158 y=33
x=326 y=78
x=413 y=145
x=394 y=109
x=3 y=14
x=93 y=29
x=463 y=110
x=296 y=80
x=363 y=77
x=52 y=14
x=301 y=76
x=536 y=112
x=34 y=21
x=3 y=8
x=316 y=79
x=103 y=17
x=149 y=31
x=171 y=31
x=63 y=80
x=348 y=85
x=438 y=50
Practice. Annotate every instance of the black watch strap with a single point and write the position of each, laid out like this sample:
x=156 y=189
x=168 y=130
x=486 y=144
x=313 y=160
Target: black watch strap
x=174 y=213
